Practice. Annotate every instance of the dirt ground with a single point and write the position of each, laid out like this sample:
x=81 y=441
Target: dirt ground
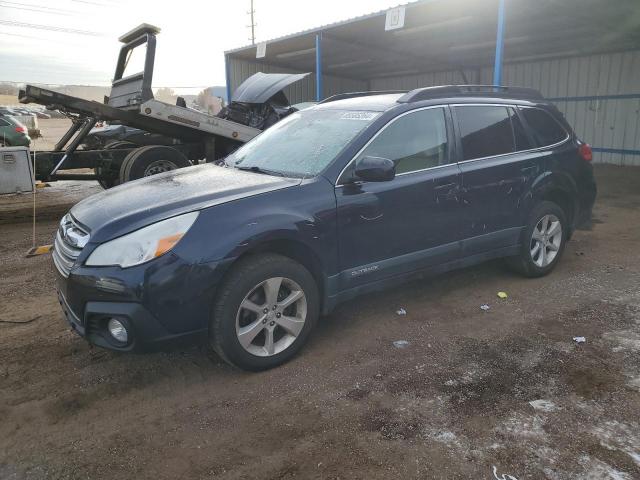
x=51 y=130
x=476 y=394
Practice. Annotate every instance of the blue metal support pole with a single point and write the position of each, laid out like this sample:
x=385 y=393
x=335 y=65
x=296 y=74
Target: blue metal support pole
x=227 y=73
x=497 y=66
x=319 y=66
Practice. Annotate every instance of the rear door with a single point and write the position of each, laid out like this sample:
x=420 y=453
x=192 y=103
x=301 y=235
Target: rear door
x=391 y=228
x=498 y=166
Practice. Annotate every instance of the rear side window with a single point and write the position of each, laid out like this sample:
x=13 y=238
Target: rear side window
x=415 y=141
x=484 y=131
x=4 y=123
x=545 y=129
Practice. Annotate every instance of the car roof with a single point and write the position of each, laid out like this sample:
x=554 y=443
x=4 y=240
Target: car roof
x=447 y=94
x=376 y=103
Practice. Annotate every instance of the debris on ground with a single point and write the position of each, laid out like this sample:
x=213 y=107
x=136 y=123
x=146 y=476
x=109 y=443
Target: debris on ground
x=20 y=322
x=401 y=311
x=579 y=339
x=502 y=295
x=484 y=307
x=543 y=405
x=400 y=344
x=504 y=476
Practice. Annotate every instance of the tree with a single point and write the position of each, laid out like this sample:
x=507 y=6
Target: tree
x=166 y=94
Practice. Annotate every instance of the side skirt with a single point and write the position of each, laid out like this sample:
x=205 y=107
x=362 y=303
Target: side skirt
x=332 y=301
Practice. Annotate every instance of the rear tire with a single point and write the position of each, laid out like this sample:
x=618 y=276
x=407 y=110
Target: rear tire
x=543 y=242
x=151 y=160
x=264 y=312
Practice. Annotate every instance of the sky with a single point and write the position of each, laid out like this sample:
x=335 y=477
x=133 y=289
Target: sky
x=75 y=41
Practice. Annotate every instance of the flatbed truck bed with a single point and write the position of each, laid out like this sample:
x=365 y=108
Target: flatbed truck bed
x=199 y=136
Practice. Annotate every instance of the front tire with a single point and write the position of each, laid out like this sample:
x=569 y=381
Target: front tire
x=264 y=312
x=543 y=241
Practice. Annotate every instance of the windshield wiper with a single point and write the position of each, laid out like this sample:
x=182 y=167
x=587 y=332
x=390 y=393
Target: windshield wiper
x=257 y=169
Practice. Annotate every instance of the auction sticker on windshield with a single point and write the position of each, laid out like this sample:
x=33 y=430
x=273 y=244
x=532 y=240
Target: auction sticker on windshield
x=367 y=116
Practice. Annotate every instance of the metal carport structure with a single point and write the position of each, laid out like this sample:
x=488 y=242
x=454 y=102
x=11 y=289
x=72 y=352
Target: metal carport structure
x=583 y=54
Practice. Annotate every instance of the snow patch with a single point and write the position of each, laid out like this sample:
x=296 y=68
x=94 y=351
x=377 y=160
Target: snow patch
x=543 y=405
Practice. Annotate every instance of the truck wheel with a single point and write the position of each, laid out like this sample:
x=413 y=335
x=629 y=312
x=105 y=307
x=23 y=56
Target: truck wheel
x=543 y=241
x=264 y=312
x=111 y=181
x=150 y=160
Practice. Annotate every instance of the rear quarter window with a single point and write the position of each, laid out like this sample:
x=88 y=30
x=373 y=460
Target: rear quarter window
x=544 y=128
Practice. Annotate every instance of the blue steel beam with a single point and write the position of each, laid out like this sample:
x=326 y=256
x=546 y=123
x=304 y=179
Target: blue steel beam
x=227 y=73
x=318 y=66
x=497 y=65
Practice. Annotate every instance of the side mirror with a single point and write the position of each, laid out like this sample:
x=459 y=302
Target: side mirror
x=375 y=169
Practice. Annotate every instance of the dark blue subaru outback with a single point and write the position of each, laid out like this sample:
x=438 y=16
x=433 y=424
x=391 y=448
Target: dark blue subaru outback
x=352 y=195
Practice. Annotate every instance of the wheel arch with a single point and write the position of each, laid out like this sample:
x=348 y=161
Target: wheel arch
x=562 y=191
x=291 y=248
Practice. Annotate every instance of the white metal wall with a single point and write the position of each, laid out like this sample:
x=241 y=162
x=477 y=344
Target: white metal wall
x=302 y=91
x=604 y=123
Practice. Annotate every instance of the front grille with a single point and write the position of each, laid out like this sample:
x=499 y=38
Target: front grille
x=70 y=239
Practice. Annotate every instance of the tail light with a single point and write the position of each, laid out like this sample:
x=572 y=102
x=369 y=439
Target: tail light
x=21 y=129
x=585 y=152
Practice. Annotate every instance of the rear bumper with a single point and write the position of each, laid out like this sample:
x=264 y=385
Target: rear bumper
x=21 y=141
x=585 y=211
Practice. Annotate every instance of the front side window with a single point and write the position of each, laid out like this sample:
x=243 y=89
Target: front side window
x=303 y=144
x=485 y=131
x=415 y=141
x=546 y=130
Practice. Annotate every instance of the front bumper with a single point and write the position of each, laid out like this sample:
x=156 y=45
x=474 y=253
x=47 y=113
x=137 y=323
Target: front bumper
x=145 y=332
x=163 y=304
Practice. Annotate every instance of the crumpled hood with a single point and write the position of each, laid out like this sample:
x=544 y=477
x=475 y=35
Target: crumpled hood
x=131 y=206
x=260 y=87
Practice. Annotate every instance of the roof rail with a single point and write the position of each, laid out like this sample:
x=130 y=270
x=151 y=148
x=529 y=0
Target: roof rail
x=344 y=96
x=444 y=91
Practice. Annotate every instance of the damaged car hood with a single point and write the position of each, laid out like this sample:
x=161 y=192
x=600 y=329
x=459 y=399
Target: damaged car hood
x=260 y=87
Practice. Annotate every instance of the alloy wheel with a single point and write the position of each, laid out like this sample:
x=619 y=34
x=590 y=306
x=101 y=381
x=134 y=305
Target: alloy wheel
x=546 y=240
x=271 y=316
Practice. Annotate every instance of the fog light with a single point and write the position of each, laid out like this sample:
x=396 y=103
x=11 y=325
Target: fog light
x=117 y=330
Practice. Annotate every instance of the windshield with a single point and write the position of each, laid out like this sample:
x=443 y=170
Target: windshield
x=302 y=144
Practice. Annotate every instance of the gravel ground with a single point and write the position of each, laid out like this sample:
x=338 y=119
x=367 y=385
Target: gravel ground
x=475 y=394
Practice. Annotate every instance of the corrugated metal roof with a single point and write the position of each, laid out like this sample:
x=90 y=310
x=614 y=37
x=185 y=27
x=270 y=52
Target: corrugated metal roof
x=444 y=35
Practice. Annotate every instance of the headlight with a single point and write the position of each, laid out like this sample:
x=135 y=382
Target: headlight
x=144 y=244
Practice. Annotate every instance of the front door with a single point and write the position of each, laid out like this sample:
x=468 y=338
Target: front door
x=411 y=222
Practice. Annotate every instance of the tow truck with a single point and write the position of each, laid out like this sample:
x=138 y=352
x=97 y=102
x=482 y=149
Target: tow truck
x=199 y=137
